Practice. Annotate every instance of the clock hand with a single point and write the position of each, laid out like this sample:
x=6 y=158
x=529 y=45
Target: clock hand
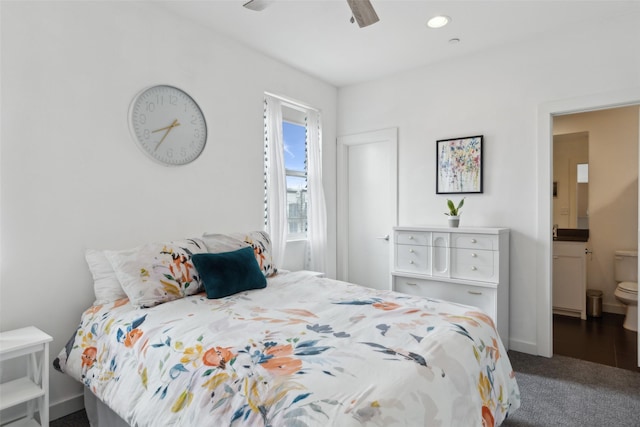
x=168 y=128
x=174 y=124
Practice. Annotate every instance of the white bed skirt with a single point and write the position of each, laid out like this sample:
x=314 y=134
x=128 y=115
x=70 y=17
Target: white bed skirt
x=99 y=414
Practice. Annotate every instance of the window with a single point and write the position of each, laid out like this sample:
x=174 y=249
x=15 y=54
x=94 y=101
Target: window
x=294 y=135
x=294 y=203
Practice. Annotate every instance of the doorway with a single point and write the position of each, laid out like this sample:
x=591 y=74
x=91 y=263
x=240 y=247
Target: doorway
x=367 y=206
x=546 y=112
x=606 y=142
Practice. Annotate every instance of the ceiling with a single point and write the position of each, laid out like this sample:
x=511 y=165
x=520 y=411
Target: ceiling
x=317 y=37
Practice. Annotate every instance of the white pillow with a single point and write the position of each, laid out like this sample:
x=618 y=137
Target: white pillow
x=105 y=283
x=155 y=273
x=258 y=240
x=217 y=243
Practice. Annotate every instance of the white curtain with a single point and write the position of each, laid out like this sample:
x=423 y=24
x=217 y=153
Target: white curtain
x=316 y=207
x=275 y=180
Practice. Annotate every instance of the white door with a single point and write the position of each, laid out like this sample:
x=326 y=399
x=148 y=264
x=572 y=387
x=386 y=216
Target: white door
x=367 y=206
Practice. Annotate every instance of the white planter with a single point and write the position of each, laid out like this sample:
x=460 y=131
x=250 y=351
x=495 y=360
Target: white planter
x=454 y=221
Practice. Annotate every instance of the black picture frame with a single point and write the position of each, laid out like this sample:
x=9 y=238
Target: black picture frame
x=459 y=165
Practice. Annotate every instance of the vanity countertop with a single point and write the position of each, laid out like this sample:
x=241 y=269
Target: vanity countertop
x=572 y=235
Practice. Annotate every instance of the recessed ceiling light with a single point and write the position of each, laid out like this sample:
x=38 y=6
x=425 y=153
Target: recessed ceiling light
x=438 y=21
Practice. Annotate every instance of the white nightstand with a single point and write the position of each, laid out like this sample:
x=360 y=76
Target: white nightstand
x=34 y=387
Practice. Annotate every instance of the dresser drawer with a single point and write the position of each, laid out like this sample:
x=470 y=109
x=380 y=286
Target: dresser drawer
x=474 y=241
x=413 y=238
x=475 y=257
x=413 y=258
x=473 y=264
x=477 y=296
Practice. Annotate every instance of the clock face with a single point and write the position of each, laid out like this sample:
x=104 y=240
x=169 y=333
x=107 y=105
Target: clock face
x=168 y=125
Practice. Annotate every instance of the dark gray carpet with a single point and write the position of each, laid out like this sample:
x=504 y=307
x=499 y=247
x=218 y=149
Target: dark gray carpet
x=77 y=419
x=562 y=391
x=558 y=392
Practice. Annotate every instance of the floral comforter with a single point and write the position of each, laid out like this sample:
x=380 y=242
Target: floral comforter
x=304 y=351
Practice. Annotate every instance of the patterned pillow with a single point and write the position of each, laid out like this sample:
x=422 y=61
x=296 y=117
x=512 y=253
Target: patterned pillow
x=158 y=272
x=261 y=244
x=105 y=283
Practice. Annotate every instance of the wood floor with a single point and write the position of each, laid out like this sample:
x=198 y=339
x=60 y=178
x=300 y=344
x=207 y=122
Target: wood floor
x=598 y=339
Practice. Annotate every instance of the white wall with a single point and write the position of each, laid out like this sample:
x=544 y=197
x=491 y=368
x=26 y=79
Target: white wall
x=613 y=190
x=496 y=93
x=71 y=175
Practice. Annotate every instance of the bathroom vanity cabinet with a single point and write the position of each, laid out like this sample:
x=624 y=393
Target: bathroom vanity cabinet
x=570 y=278
x=464 y=265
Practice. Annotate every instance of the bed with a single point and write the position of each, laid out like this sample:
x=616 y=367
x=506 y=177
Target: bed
x=299 y=351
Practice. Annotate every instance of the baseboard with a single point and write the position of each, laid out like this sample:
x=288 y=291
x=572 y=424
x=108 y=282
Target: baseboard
x=523 y=346
x=614 y=308
x=66 y=407
x=570 y=313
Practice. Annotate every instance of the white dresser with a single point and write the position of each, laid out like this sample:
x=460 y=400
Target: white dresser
x=464 y=265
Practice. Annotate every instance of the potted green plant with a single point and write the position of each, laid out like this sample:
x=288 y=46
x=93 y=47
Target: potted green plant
x=454 y=212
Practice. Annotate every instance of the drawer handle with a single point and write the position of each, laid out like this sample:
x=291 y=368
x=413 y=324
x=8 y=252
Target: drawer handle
x=411 y=262
x=410 y=237
x=474 y=241
x=474 y=268
x=474 y=255
x=412 y=284
x=475 y=292
x=410 y=251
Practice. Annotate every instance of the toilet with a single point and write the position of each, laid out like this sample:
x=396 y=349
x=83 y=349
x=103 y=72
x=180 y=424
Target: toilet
x=626 y=274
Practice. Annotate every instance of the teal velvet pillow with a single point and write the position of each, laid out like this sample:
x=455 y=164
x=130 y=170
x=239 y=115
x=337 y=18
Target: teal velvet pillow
x=228 y=273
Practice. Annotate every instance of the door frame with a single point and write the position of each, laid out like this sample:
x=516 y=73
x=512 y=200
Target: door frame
x=544 y=253
x=342 y=226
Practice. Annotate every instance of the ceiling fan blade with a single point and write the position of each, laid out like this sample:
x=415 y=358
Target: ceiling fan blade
x=257 y=5
x=363 y=12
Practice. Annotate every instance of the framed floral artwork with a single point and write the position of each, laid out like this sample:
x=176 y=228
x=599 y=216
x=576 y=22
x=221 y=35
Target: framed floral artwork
x=459 y=165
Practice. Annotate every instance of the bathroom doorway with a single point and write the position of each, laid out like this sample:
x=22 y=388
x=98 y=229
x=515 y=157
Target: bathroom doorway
x=602 y=205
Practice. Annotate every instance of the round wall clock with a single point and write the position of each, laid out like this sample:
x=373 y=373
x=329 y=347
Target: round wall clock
x=167 y=125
